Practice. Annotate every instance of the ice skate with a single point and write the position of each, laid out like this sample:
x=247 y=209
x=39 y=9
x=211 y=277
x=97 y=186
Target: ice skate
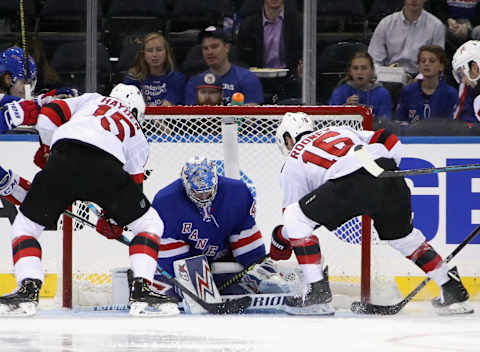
x=146 y=302
x=22 y=302
x=315 y=301
x=453 y=296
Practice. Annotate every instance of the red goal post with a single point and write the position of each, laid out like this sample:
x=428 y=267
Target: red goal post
x=240 y=139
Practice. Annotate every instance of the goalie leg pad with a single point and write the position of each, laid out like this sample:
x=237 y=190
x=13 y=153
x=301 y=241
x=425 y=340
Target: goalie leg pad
x=195 y=274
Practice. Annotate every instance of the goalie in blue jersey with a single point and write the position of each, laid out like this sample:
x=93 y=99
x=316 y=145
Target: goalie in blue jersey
x=205 y=213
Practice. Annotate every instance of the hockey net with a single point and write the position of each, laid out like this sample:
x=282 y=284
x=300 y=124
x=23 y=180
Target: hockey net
x=241 y=142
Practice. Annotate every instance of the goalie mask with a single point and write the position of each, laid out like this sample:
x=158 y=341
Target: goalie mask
x=13 y=62
x=465 y=54
x=293 y=123
x=200 y=179
x=131 y=96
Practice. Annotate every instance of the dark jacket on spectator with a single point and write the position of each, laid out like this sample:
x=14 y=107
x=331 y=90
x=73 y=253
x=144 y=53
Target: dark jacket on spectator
x=250 y=39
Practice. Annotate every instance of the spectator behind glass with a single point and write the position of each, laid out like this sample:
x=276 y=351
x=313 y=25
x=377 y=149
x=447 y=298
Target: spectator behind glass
x=210 y=92
x=48 y=78
x=154 y=73
x=233 y=78
x=399 y=36
x=272 y=38
x=359 y=87
x=431 y=96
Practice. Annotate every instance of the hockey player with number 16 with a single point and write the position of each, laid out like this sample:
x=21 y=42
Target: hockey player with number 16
x=328 y=179
x=104 y=134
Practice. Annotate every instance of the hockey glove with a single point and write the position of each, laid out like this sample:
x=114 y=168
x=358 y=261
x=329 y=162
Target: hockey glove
x=108 y=228
x=280 y=248
x=59 y=93
x=13 y=187
x=19 y=113
x=41 y=156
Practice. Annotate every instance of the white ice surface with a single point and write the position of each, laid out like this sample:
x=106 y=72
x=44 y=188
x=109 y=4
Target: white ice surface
x=416 y=328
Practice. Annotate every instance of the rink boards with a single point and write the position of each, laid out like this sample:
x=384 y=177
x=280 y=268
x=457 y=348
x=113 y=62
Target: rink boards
x=446 y=208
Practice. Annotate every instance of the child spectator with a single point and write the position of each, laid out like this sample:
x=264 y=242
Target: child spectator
x=431 y=96
x=154 y=73
x=359 y=87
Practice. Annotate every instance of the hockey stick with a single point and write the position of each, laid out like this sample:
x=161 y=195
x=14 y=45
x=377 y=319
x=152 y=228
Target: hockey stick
x=432 y=170
x=238 y=276
x=28 y=87
x=229 y=307
x=368 y=308
x=369 y=164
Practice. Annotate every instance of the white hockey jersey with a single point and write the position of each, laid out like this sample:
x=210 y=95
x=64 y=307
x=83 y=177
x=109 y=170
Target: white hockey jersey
x=101 y=121
x=327 y=154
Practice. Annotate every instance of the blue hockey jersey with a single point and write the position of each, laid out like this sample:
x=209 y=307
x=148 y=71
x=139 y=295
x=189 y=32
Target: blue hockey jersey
x=230 y=229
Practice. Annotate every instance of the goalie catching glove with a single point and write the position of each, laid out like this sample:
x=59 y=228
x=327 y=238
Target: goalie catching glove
x=108 y=228
x=280 y=248
x=264 y=278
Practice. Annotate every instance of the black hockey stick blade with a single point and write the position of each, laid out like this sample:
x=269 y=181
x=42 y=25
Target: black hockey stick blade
x=233 y=306
x=369 y=308
x=433 y=170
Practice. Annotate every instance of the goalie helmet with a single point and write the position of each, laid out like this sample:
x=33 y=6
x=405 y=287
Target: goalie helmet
x=465 y=54
x=13 y=62
x=131 y=96
x=293 y=123
x=200 y=179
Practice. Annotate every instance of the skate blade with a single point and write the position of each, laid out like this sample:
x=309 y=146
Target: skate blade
x=315 y=309
x=25 y=309
x=455 y=309
x=143 y=309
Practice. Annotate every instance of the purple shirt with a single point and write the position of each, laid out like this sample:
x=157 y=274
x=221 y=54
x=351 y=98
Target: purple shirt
x=272 y=41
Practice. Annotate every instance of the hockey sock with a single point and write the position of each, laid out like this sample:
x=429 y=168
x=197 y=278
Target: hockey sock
x=309 y=257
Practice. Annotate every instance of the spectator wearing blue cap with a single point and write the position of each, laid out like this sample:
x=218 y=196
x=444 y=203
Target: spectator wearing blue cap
x=233 y=78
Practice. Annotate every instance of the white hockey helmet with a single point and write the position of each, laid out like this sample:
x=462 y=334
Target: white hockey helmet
x=293 y=123
x=465 y=54
x=131 y=96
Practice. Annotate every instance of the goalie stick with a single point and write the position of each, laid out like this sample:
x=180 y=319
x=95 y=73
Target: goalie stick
x=238 y=276
x=230 y=307
x=368 y=308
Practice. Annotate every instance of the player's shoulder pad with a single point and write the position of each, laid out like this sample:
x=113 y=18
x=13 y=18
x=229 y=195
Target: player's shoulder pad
x=385 y=137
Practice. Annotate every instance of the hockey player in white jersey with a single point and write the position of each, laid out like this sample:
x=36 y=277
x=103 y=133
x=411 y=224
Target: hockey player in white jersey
x=324 y=183
x=98 y=152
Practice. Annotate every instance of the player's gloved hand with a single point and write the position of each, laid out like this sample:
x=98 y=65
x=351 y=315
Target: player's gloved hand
x=7 y=182
x=41 y=156
x=18 y=113
x=108 y=228
x=280 y=248
x=59 y=93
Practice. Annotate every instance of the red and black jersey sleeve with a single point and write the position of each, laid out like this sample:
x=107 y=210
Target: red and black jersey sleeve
x=384 y=137
x=57 y=111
